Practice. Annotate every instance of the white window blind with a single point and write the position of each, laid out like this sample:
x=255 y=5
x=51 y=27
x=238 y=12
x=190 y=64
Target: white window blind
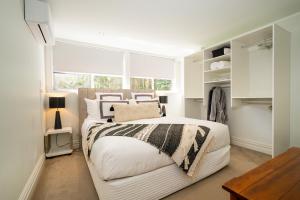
x=151 y=66
x=83 y=59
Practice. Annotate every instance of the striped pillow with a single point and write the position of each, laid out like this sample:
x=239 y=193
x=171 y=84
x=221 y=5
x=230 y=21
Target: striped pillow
x=142 y=96
x=109 y=96
x=106 y=111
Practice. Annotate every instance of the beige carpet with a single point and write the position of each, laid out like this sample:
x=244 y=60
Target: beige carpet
x=68 y=178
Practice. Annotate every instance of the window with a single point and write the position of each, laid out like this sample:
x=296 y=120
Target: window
x=141 y=83
x=107 y=82
x=77 y=65
x=162 y=84
x=150 y=83
x=73 y=81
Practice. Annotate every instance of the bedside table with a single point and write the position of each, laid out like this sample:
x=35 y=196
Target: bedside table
x=53 y=147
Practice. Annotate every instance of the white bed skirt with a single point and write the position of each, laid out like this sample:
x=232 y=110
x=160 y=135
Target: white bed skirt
x=158 y=183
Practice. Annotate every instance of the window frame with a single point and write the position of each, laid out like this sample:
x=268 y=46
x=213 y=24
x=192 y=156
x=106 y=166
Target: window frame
x=152 y=83
x=92 y=76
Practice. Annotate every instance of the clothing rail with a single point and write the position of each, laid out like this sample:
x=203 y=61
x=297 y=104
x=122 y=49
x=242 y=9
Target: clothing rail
x=265 y=43
x=195 y=99
x=198 y=100
x=225 y=86
x=257 y=101
x=263 y=102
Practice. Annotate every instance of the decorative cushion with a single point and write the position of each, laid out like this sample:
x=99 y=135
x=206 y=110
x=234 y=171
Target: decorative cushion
x=156 y=100
x=109 y=96
x=106 y=111
x=142 y=96
x=127 y=112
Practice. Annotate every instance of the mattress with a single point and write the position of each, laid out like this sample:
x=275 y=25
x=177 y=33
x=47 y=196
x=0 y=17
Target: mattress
x=160 y=182
x=115 y=157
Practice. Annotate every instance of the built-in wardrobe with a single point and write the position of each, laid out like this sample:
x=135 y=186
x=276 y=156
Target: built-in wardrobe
x=256 y=80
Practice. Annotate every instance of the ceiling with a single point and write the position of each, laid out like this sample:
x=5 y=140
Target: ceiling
x=166 y=27
x=292 y=24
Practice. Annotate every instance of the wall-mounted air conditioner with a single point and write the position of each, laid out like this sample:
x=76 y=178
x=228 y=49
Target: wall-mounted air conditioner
x=38 y=18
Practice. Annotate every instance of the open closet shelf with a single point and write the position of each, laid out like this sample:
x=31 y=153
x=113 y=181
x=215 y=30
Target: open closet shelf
x=226 y=69
x=258 y=38
x=219 y=58
x=218 y=82
x=194 y=98
x=267 y=101
x=255 y=78
x=253 y=98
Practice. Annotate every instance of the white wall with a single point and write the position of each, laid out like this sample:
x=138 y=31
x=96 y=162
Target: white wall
x=21 y=112
x=295 y=89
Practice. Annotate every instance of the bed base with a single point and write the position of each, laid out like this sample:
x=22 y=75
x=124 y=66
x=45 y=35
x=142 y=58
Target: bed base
x=160 y=182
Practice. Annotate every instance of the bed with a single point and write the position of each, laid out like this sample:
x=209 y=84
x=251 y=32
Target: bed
x=154 y=175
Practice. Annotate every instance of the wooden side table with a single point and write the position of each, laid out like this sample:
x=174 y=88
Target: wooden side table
x=276 y=179
x=52 y=146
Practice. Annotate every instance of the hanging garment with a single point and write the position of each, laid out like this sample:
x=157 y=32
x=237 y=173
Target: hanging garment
x=218 y=106
x=209 y=103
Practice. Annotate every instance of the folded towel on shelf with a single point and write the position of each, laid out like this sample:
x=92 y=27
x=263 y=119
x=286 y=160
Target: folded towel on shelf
x=219 y=65
x=224 y=64
x=214 y=65
x=227 y=51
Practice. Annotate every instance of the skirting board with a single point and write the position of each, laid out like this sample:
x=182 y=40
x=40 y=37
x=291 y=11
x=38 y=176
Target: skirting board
x=253 y=145
x=29 y=187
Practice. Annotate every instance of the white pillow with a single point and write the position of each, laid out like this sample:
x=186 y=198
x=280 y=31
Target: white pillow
x=106 y=105
x=109 y=96
x=142 y=96
x=131 y=101
x=93 y=109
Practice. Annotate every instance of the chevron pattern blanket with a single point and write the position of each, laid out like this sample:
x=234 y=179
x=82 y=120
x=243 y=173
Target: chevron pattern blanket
x=184 y=143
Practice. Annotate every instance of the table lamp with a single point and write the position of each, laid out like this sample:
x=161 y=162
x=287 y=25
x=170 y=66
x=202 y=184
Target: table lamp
x=57 y=102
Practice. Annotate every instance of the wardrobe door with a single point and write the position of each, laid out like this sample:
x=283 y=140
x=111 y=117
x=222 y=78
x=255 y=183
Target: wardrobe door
x=281 y=90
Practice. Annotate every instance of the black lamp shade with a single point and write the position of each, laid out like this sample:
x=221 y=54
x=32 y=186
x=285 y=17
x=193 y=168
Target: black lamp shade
x=163 y=99
x=56 y=102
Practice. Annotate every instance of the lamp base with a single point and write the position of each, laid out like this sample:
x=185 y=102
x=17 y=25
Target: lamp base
x=163 y=110
x=57 y=124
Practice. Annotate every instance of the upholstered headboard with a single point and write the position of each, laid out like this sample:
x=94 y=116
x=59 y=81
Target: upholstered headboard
x=90 y=93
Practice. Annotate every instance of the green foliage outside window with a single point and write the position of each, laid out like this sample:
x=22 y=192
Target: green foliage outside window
x=140 y=83
x=104 y=82
x=71 y=81
x=162 y=84
x=144 y=83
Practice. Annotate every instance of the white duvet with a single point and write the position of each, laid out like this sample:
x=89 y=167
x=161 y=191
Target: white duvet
x=117 y=157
